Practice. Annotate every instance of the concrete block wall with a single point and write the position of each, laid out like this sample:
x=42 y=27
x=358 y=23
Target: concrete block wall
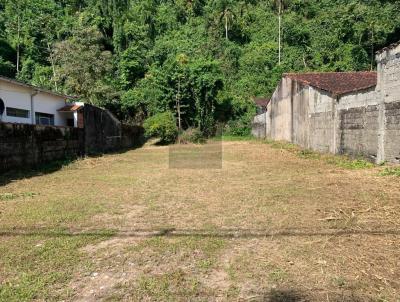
x=23 y=145
x=355 y=123
x=358 y=130
x=392 y=132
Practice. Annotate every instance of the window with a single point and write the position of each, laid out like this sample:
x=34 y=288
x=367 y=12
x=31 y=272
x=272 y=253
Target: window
x=15 y=112
x=44 y=118
x=70 y=122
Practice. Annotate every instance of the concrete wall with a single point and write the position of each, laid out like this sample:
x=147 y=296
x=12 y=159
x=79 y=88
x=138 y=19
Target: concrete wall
x=17 y=96
x=258 y=127
x=389 y=108
x=350 y=124
x=358 y=124
x=105 y=133
x=23 y=145
x=279 y=110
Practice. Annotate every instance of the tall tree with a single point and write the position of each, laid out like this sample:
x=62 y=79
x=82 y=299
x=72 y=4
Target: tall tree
x=83 y=65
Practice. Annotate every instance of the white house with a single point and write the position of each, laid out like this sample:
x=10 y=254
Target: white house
x=27 y=104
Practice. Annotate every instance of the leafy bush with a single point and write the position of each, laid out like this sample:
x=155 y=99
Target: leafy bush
x=240 y=127
x=192 y=135
x=162 y=125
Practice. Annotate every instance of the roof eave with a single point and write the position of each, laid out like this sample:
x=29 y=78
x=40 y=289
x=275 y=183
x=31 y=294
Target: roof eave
x=12 y=81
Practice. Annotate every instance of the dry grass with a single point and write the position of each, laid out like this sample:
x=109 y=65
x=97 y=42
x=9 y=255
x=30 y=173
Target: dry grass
x=269 y=226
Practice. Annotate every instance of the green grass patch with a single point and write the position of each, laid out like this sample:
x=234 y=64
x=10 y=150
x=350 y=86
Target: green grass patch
x=167 y=287
x=391 y=172
x=234 y=138
x=348 y=163
x=36 y=265
x=342 y=161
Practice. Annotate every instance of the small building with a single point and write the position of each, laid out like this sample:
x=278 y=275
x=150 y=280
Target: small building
x=27 y=104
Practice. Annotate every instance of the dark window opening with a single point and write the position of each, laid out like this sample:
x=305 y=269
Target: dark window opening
x=44 y=118
x=15 y=112
x=70 y=122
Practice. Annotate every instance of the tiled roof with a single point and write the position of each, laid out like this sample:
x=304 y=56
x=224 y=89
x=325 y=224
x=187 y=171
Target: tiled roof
x=70 y=108
x=337 y=83
x=261 y=102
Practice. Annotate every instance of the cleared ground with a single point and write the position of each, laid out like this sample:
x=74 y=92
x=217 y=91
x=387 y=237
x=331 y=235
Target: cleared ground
x=271 y=225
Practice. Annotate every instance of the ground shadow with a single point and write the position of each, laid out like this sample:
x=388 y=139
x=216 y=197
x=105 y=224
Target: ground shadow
x=52 y=166
x=294 y=295
x=225 y=233
x=286 y=295
x=42 y=169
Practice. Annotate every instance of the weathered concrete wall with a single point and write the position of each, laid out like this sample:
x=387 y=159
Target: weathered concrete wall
x=347 y=124
x=280 y=112
x=23 y=145
x=358 y=124
x=105 y=133
x=258 y=127
x=322 y=120
x=389 y=113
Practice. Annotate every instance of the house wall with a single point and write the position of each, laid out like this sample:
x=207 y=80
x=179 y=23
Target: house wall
x=47 y=103
x=17 y=96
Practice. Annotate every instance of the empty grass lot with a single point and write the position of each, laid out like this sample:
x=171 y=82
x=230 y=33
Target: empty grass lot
x=274 y=224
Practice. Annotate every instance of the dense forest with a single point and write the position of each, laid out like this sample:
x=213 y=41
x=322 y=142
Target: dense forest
x=200 y=60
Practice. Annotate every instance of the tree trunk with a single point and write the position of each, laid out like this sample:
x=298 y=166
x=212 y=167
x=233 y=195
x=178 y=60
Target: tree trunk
x=52 y=66
x=280 y=24
x=178 y=105
x=226 y=25
x=18 y=38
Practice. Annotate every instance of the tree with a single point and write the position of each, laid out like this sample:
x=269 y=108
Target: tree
x=83 y=65
x=226 y=14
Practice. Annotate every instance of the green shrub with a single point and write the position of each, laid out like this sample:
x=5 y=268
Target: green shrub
x=162 y=125
x=240 y=127
x=192 y=135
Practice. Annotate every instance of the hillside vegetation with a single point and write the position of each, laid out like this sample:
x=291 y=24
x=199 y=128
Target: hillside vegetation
x=207 y=57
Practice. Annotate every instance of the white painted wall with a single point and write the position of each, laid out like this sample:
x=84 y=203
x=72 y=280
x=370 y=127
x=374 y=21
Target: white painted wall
x=15 y=97
x=18 y=96
x=47 y=103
